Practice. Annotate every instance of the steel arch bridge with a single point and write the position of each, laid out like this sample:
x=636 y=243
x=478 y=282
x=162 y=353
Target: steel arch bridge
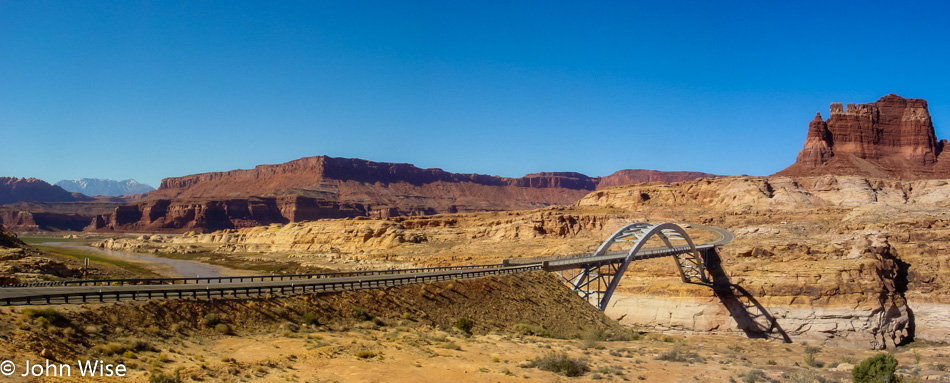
x=595 y=276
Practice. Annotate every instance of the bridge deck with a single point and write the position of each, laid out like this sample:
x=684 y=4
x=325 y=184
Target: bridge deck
x=76 y=291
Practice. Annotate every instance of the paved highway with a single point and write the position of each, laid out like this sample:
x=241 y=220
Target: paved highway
x=84 y=292
x=78 y=294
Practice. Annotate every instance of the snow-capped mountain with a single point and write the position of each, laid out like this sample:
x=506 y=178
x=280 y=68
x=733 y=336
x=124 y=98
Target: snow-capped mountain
x=109 y=187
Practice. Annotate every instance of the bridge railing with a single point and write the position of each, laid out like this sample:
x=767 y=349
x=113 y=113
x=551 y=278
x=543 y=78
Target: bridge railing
x=248 y=278
x=642 y=254
x=118 y=293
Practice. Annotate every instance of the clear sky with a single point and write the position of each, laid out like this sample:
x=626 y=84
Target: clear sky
x=156 y=89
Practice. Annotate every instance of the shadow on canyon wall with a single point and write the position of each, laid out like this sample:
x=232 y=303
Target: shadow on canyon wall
x=749 y=314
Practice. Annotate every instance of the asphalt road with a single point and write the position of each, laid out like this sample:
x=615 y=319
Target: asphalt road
x=76 y=294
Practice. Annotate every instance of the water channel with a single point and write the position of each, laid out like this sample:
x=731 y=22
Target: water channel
x=185 y=268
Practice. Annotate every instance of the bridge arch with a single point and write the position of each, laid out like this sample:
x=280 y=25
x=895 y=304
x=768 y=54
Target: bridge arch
x=602 y=271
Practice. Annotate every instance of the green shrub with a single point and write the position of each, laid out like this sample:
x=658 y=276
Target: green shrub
x=878 y=368
x=810 y=353
x=530 y=329
x=465 y=325
x=754 y=375
x=309 y=319
x=561 y=364
x=222 y=329
x=677 y=354
x=804 y=376
x=362 y=315
x=162 y=378
x=591 y=337
x=46 y=317
x=450 y=346
x=209 y=320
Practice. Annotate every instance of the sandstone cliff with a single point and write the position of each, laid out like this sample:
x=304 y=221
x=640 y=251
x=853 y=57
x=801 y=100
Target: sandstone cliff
x=55 y=216
x=639 y=176
x=326 y=187
x=31 y=204
x=892 y=137
x=836 y=260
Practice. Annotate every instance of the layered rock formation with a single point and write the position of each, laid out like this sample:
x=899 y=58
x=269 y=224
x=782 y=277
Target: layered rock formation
x=20 y=262
x=9 y=240
x=639 y=176
x=31 y=204
x=834 y=260
x=55 y=216
x=326 y=187
x=892 y=137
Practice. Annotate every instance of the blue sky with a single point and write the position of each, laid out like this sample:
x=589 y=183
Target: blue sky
x=148 y=90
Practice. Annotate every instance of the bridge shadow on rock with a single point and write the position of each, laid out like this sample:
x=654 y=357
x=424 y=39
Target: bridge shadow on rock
x=749 y=314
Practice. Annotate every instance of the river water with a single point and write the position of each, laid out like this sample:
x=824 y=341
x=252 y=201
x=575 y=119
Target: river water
x=185 y=268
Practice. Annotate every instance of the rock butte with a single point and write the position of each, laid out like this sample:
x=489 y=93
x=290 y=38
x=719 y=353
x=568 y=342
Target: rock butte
x=892 y=137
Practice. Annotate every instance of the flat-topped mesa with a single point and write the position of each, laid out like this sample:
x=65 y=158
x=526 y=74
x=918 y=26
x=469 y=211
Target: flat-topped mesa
x=326 y=187
x=319 y=173
x=892 y=137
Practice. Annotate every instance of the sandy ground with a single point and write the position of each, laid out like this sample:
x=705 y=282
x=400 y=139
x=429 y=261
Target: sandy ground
x=395 y=354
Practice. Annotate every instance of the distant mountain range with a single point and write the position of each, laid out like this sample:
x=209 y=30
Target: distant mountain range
x=107 y=187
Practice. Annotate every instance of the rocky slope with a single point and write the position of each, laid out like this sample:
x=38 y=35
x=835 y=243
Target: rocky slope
x=834 y=260
x=105 y=187
x=31 y=204
x=326 y=187
x=20 y=263
x=892 y=137
x=845 y=260
x=56 y=216
x=33 y=189
x=639 y=176
x=9 y=240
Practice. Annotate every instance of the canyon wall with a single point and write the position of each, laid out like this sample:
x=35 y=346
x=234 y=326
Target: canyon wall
x=326 y=187
x=835 y=260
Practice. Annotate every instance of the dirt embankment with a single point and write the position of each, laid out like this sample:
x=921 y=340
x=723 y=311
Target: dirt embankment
x=517 y=304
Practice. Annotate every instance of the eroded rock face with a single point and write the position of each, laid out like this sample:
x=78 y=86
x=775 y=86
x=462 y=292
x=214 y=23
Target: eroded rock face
x=8 y=239
x=834 y=260
x=639 y=176
x=892 y=137
x=33 y=189
x=326 y=187
x=365 y=235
